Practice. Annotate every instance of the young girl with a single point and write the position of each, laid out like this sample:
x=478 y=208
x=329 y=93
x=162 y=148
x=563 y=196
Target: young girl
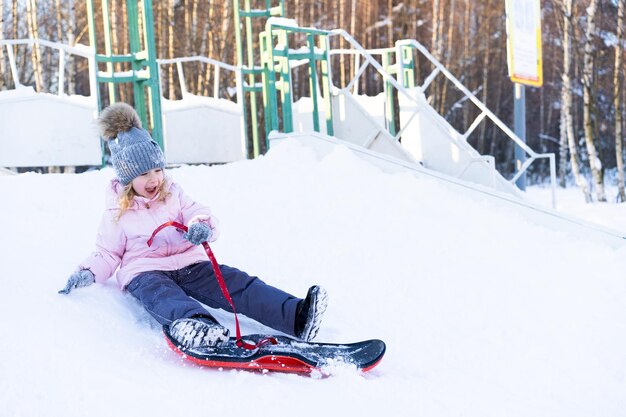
x=173 y=275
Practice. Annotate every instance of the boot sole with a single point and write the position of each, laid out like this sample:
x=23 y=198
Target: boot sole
x=319 y=303
x=190 y=334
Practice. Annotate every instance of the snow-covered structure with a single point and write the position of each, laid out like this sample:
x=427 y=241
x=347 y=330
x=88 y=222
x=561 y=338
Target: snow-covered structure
x=197 y=129
x=61 y=129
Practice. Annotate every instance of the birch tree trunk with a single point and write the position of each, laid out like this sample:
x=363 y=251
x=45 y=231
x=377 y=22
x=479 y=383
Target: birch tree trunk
x=436 y=51
x=211 y=43
x=342 y=57
x=226 y=54
x=485 y=81
x=15 y=21
x=447 y=60
x=194 y=44
x=353 y=33
x=3 y=70
x=33 y=33
x=566 y=99
x=202 y=52
x=497 y=103
x=467 y=19
x=617 y=103
x=562 y=151
x=170 y=49
x=59 y=13
x=115 y=47
x=71 y=40
x=186 y=27
x=594 y=160
x=368 y=38
x=389 y=23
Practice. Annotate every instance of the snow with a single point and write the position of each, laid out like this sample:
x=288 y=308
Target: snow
x=281 y=21
x=484 y=313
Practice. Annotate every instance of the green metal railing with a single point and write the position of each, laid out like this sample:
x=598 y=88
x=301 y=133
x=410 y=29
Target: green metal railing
x=244 y=18
x=276 y=60
x=144 y=74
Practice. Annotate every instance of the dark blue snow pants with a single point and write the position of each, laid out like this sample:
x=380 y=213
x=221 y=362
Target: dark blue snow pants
x=171 y=295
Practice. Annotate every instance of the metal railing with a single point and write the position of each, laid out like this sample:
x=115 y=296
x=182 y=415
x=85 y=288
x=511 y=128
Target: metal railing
x=78 y=50
x=218 y=67
x=367 y=57
x=484 y=113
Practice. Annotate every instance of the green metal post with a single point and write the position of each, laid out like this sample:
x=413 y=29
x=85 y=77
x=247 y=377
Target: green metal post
x=252 y=83
x=277 y=58
x=285 y=82
x=106 y=24
x=135 y=47
x=269 y=74
x=264 y=41
x=324 y=64
x=313 y=81
x=245 y=60
x=153 y=82
x=142 y=60
x=92 y=41
x=407 y=66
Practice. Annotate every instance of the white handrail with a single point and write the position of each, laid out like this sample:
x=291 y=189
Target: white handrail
x=488 y=113
x=79 y=50
x=217 y=64
x=239 y=80
x=198 y=58
x=439 y=68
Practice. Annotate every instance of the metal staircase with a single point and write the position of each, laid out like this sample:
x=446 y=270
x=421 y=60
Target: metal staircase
x=421 y=136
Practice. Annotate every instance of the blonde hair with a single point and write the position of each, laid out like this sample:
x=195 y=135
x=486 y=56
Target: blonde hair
x=128 y=194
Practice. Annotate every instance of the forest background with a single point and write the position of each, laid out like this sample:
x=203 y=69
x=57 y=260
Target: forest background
x=578 y=113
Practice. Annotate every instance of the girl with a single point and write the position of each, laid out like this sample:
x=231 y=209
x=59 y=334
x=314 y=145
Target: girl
x=173 y=275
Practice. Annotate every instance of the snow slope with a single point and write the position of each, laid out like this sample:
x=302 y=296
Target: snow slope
x=483 y=312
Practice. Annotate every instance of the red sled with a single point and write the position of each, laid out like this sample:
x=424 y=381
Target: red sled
x=284 y=355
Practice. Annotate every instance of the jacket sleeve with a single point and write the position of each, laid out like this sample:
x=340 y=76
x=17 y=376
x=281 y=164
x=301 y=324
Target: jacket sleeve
x=110 y=246
x=193 y=212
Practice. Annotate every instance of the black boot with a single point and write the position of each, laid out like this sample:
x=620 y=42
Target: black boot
x=309 y=313
x=198 y=332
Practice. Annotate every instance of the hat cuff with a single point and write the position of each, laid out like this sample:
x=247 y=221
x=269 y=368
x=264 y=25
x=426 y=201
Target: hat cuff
x=132 y=161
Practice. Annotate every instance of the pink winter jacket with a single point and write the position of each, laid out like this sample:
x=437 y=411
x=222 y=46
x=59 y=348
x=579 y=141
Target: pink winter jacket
x=123 y=243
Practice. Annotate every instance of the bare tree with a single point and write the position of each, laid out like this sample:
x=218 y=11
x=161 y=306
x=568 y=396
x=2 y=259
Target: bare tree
x=594 y=161
x=170 y=49
x=467 y=30
x=33 y=33
x=618 y=79
x=15 y=18
x=485 y=74
x=352 y=30
x=436 y=45
x=448 y=57
x=59 y=22
x=566 y=99
x=3 y=70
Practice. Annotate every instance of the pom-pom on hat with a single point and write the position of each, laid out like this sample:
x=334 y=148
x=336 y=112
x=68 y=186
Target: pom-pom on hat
x=133 y=151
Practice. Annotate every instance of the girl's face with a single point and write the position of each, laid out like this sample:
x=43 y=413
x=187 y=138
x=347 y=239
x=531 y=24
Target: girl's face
x=147 y=184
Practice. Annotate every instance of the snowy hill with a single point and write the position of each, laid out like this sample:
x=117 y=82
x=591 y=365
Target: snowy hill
x=484 y=313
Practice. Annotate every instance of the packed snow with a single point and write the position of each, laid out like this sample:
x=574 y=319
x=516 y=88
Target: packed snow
x=484 y=312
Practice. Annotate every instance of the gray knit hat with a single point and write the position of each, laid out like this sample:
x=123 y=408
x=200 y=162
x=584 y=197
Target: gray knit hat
x=133 y=151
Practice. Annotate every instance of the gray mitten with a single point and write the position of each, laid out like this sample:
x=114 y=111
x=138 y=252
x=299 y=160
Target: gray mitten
x=198 y=233
x=82 y=278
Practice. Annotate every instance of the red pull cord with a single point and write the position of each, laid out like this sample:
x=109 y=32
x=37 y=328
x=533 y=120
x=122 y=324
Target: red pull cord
x=220 y=280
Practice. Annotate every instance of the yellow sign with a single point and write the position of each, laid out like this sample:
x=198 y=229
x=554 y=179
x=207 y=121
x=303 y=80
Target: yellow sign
x=523 y=24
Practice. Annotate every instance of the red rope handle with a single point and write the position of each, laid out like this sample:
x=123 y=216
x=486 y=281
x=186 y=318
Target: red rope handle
x=220 y=281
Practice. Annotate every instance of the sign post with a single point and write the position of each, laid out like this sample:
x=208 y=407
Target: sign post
x=523 y=23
